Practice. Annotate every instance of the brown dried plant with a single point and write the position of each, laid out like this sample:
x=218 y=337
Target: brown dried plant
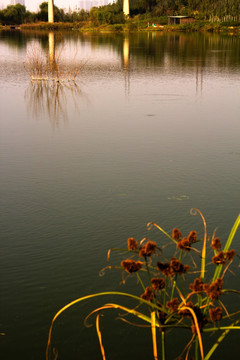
x=168 y=300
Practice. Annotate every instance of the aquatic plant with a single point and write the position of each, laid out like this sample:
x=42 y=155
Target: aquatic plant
x=49 y=66
x=174 y=293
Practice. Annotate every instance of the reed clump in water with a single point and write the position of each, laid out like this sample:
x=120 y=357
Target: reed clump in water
x=175 y=293
x=49 y=66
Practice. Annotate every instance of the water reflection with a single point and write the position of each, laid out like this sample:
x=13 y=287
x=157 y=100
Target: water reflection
x=50 y=91
x=126 y=53
x=51 y=45
x=126 y=63
x=50 y=99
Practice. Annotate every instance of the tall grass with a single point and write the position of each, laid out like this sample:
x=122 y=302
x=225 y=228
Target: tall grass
x=169 y=298
x=49 y=65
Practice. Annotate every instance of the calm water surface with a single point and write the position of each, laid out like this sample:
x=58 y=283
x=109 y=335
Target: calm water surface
x=150 y=130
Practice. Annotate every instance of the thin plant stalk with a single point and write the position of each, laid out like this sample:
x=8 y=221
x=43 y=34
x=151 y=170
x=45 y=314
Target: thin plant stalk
x=163 y=345
x=203 y=262
x=196 y=348
x=100 y=337
x=89 y=297
x=140 y=281
x=227 y=246
x=221 y=337
x=154 y=337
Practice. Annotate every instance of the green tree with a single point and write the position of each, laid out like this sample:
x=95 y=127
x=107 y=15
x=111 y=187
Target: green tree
x=14 y=14
x=43 y=12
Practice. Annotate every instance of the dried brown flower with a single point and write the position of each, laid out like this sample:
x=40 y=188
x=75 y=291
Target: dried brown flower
x=132 y=244
x=230 y=254
x=174 y=267
x=176 y=234
x=173 y=304
x=184 y=244
x=158 y=283
x=219 y=258
x=197 y=285
x=214 y=290
x=148 y=249
x=131 y=266
x=165 y=268
x=215 y=313
x=147 y=295
x=192 y=237
x=162 y=316
x=186 y=268
x=216 y=244
x=178 y=267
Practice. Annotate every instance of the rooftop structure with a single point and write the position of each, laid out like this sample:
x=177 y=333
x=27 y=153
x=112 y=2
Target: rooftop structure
x=176 y=20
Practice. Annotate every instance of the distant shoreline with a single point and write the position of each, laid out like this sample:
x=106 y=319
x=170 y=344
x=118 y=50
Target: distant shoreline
x=87 y=26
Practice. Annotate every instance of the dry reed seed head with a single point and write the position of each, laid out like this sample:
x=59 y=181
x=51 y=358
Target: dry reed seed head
x=142 y=251
x=197 y=285
x=132 y=244
x=131 y=266
x=186 y=268
x=158 y=283
x=222 y=257
x=162 y=317
x=215 y=314
x=147 y=295
x=151 y=247
x=176 y=234
x=165 y=268
x=219 y=258
x=148 y=249
x=184 y=244
x=214 y=290
x=173 y=304
x=230 y=254
x=216 y=244
x=178 y=267
x=192 y=237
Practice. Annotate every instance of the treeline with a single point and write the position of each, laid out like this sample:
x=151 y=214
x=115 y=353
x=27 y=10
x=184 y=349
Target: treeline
x=213 y=10
x=202 y=8
x=17 y=14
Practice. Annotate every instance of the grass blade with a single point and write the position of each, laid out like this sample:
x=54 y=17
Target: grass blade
x=221 y=337
x=86 y=298
x=154 y=338
x=227 y=246
x=100 y=337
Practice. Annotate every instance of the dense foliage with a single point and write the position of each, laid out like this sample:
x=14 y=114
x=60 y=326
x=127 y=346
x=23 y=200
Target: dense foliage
x=215 y=10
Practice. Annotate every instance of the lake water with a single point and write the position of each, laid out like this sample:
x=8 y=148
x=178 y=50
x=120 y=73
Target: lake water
x=150 y=130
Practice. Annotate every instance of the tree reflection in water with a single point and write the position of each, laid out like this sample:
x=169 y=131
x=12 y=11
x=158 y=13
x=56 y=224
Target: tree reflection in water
x=50 y=99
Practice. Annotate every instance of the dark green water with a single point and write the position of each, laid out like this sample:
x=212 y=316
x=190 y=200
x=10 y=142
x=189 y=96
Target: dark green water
x=150 y=131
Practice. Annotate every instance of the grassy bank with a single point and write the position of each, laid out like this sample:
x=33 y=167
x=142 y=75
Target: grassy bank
x=135 y=24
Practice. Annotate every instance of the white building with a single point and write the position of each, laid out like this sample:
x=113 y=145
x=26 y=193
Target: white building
x=88 y=4
x=15 y=2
